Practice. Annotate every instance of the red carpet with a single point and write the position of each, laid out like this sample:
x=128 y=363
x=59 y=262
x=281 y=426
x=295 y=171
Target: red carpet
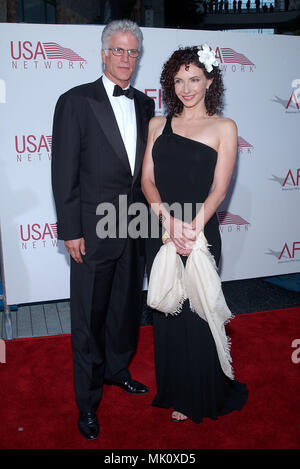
x=37 y=408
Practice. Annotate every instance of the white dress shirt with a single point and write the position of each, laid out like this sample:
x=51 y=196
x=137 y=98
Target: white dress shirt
x=124 y=110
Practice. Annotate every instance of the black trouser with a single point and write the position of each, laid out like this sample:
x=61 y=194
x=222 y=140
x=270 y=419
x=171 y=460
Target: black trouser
x=105 y=319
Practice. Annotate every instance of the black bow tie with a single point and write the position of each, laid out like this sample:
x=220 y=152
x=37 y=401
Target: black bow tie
x=118 y=91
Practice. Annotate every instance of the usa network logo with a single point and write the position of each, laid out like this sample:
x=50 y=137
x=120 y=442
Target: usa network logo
x=289 y=181
x=44 y=55
x=30 y=148
x=244 y=146
x=233 y=60
x=287 y=253
x=38 y=236
x=231 y=222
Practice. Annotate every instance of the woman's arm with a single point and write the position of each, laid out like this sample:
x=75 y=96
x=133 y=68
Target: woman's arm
x=147 y=180
x=227 y=152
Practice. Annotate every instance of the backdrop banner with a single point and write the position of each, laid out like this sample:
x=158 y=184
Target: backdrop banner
x=259 y=220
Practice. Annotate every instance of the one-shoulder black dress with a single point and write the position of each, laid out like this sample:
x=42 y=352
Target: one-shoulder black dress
x=188 y=373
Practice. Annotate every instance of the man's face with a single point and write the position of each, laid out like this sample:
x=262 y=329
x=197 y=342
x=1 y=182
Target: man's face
x=120 y=69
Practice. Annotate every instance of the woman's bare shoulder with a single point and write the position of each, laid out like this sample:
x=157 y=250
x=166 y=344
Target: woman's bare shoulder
x=226 y=124
x=157 y=122
x=156 y=125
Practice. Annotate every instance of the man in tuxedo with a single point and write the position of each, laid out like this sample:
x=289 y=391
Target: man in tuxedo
x=99 y=138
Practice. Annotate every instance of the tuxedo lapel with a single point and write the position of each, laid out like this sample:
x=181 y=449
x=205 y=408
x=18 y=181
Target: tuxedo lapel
x=105 y=116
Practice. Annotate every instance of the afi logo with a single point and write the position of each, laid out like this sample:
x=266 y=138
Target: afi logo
x=155 y=94
x=289 y=251
x=33 y=144
x=291 y=178
x=37 y=232
x=295 y=96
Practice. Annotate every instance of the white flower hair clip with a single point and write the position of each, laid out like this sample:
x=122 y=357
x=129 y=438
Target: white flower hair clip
x=208 y=58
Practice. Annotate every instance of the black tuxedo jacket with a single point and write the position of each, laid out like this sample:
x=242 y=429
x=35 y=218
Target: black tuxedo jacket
x=89 y=160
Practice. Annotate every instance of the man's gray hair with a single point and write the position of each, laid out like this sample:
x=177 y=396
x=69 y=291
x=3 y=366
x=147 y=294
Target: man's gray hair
x=125 y=26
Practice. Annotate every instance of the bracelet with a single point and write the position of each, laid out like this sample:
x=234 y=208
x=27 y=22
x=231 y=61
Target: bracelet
x=161 y=218
x=165 y=236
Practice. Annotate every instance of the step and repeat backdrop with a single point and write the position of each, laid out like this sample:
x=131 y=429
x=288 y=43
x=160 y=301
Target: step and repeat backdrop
x=259 y=220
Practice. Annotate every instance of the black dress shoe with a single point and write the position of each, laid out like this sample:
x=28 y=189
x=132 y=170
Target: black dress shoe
x=88 y=425
x=129 y=385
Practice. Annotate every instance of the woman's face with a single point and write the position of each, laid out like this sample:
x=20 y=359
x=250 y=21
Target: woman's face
x=190 y=84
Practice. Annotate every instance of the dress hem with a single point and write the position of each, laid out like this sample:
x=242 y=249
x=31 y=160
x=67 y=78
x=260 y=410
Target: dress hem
x=220 y=413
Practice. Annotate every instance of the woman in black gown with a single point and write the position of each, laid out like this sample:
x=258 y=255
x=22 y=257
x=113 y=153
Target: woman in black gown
x=189 y=159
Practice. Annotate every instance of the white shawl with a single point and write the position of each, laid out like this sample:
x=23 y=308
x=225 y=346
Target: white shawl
x=170 y=284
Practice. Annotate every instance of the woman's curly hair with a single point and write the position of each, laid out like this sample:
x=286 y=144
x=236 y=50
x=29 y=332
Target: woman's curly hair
x=186 y=56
